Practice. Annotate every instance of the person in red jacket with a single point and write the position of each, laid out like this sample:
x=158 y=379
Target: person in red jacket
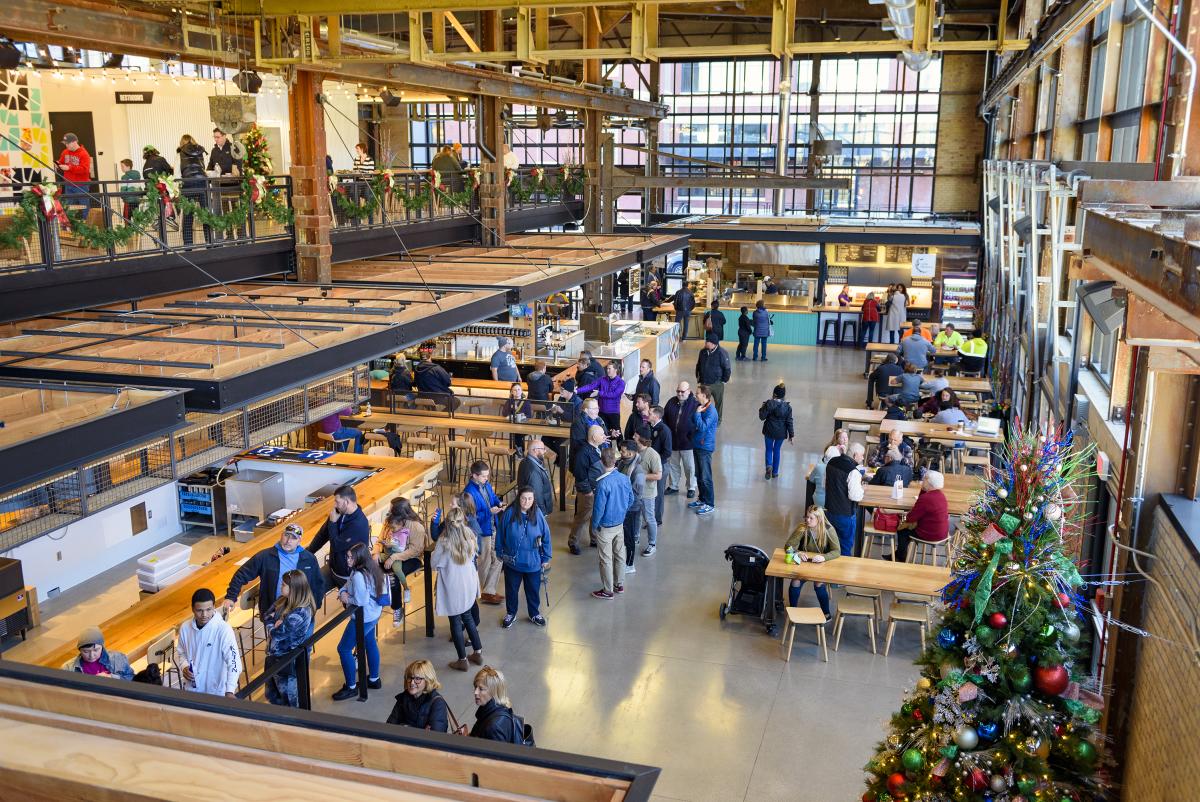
x=75 y=163
x=929 y=519
x=870 y=317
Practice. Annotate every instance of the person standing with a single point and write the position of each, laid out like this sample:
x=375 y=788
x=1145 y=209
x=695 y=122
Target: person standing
x=745 y=331
x=347 y=525
x=679 y=416
x=132 y=189
x=153 y=164
x=704 y=442
x=363 y=163
x=269 y=566
x=194 y=183
x=75 y=164
x=776 y=415
x=288 y=623
x=540 y=384
x=651 y=297
x=587 y=371
x=614 y=497
x=629 y=464
x=762 y=329
x=226 y=169
x=504 y=364
x=647 y=384
x=533 y=473
x=844 y=297
x=366 y=588
x=206 y=649
x=897 y=313
x=609 y=389
x=660 y=441
x=523 y=545
x=713 y=369
x=587 y=417
x=420 y=705
x=652 y=467
x=870 y=317
x=640 y=416
x=843 y=491
x=684 y=302
x=714 y=321
x=458 y=586
x=487 y=506
x=95 y=660
x=587 y=469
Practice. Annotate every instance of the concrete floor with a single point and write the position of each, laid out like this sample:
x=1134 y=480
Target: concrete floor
x=655 y=677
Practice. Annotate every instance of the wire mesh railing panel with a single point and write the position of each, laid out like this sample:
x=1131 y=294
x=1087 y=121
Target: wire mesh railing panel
x=332 y=395
x=121 y=476
x=275 y=416
x=207 y=439
x=31 y=511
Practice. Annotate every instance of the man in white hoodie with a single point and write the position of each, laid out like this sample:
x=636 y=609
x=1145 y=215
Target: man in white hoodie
x=207 y=650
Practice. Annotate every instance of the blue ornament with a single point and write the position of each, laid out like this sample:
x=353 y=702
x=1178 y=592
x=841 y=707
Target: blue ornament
x=988 y=798
x=988 y=730
x=947 y=638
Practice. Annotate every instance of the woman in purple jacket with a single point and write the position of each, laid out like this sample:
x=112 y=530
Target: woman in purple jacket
x=610 y=387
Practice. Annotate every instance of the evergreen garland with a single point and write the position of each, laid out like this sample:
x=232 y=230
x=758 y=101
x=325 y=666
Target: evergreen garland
x=102 y=238
x=22 y=225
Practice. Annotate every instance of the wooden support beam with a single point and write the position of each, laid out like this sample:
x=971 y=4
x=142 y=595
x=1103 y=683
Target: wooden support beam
x=462 y=32
x=541 y=29
x=310 y=191
x=416 y=37
x=783 y=26
x=439 y=31
x=333 y=25
x=1146 y=324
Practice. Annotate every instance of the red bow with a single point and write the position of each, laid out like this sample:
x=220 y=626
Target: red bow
x=164 y=192
x=51 y=207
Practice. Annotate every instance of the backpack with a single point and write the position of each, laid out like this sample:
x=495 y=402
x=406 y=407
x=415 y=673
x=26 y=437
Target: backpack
x=522 y=733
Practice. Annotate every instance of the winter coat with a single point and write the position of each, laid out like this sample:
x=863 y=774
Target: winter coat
x=116 y=663
x=432 y=378
x=802 y=540
x=717 y=318
x=485 y=498
x=762 y=323
x=776 y=415
x=888 y=474
x=713 y=367
x=609 y=392
x=897 y=312
x=523 y=541
x=264 y=567
x=156 y=165
x=457 y=585
x=648 y=385
x=679 y=419
x=532 y=472
x=705 y=424
x=540 y=384
x=191 y=161
x=684 y=302
x=287 y=633
x=870 y=311
x=588 y=375
x=425 y=712
x=495 y=722
x=745 y=327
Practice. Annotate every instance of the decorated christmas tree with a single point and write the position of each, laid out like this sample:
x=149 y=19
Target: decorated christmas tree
x=258 y=155
x=1001 y=712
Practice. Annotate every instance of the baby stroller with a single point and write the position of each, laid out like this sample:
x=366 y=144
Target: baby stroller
x=748 y=590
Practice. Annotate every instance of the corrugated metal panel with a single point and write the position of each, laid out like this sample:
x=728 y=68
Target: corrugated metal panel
x=163 y=122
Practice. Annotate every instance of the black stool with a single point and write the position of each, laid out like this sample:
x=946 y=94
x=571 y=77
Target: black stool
x=852 y=325
x=826 y=337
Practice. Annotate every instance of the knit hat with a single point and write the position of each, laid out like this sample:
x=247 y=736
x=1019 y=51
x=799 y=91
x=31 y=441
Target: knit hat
x=780 y=391
x=90 y=637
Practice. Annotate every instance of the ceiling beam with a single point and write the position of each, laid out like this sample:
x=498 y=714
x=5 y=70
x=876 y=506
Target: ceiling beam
x=289 y=8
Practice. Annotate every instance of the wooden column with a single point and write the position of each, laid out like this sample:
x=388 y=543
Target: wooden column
x=493 y=194
x=310 y=187
x=652 y=198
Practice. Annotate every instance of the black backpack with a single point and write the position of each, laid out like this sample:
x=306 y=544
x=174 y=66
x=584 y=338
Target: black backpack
x=522 y=733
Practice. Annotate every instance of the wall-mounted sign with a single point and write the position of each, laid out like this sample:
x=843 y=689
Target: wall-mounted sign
x=134 y=97
x=924 y=265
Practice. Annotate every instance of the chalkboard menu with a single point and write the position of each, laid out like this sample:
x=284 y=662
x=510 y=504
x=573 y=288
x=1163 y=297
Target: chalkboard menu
x=857 y=253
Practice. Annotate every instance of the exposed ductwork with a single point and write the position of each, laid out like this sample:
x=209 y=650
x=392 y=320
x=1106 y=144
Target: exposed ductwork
x=902 y=16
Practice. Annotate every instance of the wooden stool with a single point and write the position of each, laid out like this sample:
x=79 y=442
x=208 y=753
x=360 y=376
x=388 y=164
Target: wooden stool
x=905 y=611
x=426 y=404
x=854 y=606
x=459 y=453
x=799 y=616
x=887 y=540
x=335 y=443
x=381 y=451
x=876 y=596
x=473 y=406
x=923 y=552
x=420 y=442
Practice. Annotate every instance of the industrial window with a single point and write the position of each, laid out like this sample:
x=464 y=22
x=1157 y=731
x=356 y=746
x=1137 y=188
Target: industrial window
x=1103 y=355
x=1131 y=80
x=1095 y=88
x=435 y=124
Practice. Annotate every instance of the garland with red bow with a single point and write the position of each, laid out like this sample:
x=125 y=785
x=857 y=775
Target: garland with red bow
x=168 y=190
x=49 y=193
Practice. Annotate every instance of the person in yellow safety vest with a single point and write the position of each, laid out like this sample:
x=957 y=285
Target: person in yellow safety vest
x=972 y=352
x=949 y=338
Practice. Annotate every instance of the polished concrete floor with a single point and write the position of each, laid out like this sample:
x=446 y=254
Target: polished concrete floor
x=655 y=677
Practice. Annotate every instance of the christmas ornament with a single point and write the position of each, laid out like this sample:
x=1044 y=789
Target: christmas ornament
x=1058 y=730
x=868 y=797
x=988 y=730
x=1029 y=516
x=950 y=751
x=1010 y=650
x=1047 y=632
x=924 y=683
x=998 y=783
x=1009 y=523
x=1064 y=600
x=893 y=740
x=912 y=760
x=906 y=708
x=977 y=779
x=1083 y=751
x=941 y=769
x=918 y=715
x=966 y=737
x=1053 y=512
x=1020 y=679
x=1071 y=632
x=985 y=634
x=1023 y=467
x=1051 y=680
x=997 y=620
x=947 y=638
x=992 y=534
x=896 y=784
x=1002 y=492
x=968 y=692
x=1026 y=783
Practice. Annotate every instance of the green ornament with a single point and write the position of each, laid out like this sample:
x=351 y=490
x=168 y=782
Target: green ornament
x=949 y=752
x=913 y=760
x=1020 y=679
x=1047 y=632
x=1026 y=783
x=1009 y=523
x=1083 y=751
x=906 y=708
x=985 y=634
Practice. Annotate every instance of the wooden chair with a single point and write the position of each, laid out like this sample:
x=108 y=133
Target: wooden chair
x=426 y=404
x=381 y=451
x=161 y=651
x=905 y=611
x=923 y=552
x=849 y=606
x=801 y=616
x=876 y=597
x=474 y=406
x=336 y=444
x=886 y=540
x=377 y=439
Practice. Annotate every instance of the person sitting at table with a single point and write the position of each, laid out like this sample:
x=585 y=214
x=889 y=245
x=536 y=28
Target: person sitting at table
x=916 y=350
x=880 y=382
x=917 y=327
x=540 y=384
x=815 y=541
x=972 y=353
x=894 y=439
x=951 y=414
x=401 y=545
x=97 y=661
x=936 y=383
x=433 y=381
x=893 y=410
x=893 y=468
x=929 y=518
x=815 y=486
x=938 y=401
x=948 y=338
x=910 y=385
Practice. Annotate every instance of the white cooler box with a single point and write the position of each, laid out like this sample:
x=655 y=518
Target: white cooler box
x=158 y=568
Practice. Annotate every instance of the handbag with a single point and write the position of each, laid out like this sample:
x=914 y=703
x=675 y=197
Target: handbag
x=885 y=521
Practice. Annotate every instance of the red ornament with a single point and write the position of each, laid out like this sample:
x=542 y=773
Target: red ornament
x=977 y=780
x=918 y=715
x=896 y=784
x=1051 y=680
x=868 y=797
x=1064 y=600
x=1058 y=730
x=997 y=620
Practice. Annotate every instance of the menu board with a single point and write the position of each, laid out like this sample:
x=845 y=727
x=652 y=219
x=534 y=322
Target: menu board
x=857 y=253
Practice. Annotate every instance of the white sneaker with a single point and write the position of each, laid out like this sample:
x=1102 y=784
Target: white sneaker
x=397 y=618
x=629 y=569
x=407 y=596
x=649 y=551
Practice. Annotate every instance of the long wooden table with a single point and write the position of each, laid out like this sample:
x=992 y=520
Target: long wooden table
x=897 y=577
x=869 y=417
x=473 y=423
x=939 y=431
x=875 y=352
x=132 y=630
x=959 y=384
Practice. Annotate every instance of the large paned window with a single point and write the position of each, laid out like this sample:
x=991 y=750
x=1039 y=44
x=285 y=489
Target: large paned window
x=1103 y=355
x=435 y=124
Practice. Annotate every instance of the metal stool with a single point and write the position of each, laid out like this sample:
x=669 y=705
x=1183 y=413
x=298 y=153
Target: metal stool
x=852 y=325
x=825 y=335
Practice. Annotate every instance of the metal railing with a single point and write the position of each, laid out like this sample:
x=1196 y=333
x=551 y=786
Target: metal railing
x=109 y=206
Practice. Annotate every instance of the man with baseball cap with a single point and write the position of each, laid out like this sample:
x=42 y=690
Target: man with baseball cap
x=269 y=566
x=75 y=164
x=97 y=661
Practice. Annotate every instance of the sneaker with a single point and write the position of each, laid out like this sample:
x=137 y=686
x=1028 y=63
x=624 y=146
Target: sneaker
x=671 y=491
x=695 y=504
x=459 y=665
x=767 y=475
x=619 y=589
x=345 y=693
x=397 y=618
x=575 y=550
x=707 y=509
x=508 y=620
x=691 y=494
x=649 y=551
x=629 y=569
x=602 y=594
x=407 y=596
x=374 y=684
x=538 y=620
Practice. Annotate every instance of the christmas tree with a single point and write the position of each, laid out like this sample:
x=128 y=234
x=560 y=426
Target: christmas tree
x=258 y=155
x=1000 y=713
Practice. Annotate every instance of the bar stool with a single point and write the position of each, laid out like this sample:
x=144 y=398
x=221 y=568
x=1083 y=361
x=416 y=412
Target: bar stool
x=854 y=606
x=852 y=325
x=886 y=540
x=459 y=454
x=421 y=442
x=336 y=444
x=926 y=552
x=473 y=406
x=801 y=616
x=826 y=337
x=161 y=652
x=381 y=451
x=905 y=611
x=876 y=597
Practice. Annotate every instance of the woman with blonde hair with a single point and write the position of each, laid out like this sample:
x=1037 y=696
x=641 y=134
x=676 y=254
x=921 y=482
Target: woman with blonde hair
x=814 y=540
x=458 y=585
x=419 y=704
x=495 y=719
x=289 y=623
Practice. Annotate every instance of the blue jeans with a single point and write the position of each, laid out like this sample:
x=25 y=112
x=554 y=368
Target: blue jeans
x=867 y=332
x=513 y=579
x=345 y=650
x=757 y=342
x=844 y=525
x=76 y=195
x=773 y=447
x=704 y=476
x=683 y=321
x=820 y=589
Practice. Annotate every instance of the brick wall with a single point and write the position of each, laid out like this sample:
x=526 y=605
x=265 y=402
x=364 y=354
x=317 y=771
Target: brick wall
x=960 y=134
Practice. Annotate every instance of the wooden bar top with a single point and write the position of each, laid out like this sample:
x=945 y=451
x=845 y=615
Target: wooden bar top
x=131 y=630
x=484 y=423
x=940 y=431
x=925 y=580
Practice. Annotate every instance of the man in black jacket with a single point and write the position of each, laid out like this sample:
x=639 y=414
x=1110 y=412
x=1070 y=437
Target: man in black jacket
x=843 y=491
x=678 y=416
x=713 y=369
x=684 y=302
x=268 y=567
x=879 y=383
x=587 y=470
x=533 y=473
x=660 y=441
x=346 y=526
x=647 y=384
x=714 y=321
x=433 y=381
x=589 y=371
x=745 y=331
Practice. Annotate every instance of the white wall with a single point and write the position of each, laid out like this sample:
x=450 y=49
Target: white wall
x=299 y=479
x=341 y=123
x=97 y=543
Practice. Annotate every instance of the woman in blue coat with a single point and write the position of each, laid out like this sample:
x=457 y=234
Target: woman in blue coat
x=704 y=443
x=523 y=546
x=762 y=329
